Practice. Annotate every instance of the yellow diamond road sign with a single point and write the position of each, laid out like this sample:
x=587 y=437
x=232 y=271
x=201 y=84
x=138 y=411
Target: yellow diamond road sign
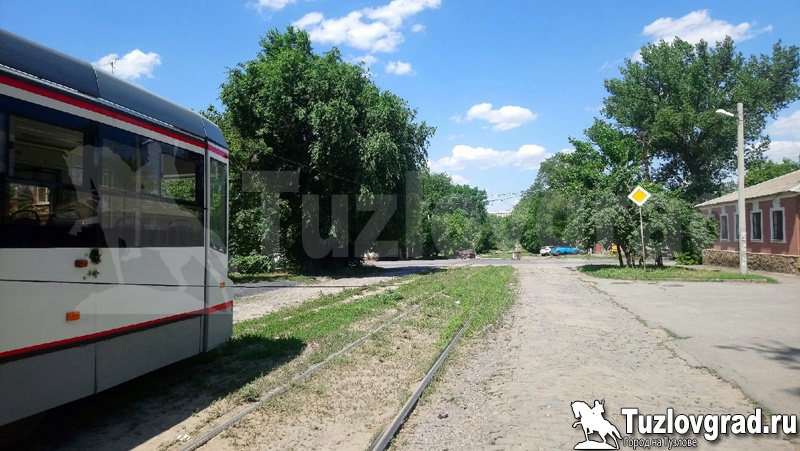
x=639 y=196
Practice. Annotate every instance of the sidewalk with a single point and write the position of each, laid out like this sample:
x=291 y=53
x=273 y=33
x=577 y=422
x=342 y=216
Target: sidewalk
x=566 y=341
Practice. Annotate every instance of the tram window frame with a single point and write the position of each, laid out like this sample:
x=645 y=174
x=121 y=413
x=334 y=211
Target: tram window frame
x=66 y=187
x=218 y=214
x=157 y=219
x=181 y=222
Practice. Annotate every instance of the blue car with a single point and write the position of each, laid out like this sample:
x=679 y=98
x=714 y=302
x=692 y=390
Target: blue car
x=565 y=250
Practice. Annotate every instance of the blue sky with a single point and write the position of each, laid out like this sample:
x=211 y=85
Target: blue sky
x=505 y=83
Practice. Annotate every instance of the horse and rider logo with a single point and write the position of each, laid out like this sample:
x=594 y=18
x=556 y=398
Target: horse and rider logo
x=592 y=421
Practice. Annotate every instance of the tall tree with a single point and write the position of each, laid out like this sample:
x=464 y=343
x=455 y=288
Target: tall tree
x=295 y=110
x=668 y=101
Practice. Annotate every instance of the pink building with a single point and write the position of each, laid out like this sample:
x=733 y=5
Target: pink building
x=772 y=215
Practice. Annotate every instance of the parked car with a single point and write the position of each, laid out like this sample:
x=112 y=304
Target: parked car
x=564 y=250
x=545 y=250
x=467 y=253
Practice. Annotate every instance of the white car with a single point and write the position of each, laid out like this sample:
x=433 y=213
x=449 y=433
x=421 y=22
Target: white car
x=545 y=250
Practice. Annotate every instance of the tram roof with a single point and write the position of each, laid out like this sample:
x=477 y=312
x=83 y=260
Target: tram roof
x=56 y=67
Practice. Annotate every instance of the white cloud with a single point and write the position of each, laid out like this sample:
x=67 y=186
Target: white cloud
x=273 y=5
x=778 y=150
x=399 y=68
x=417 y=28
x=699 y=25
x=368 y=60
x=505 y=118
x=695 y=26
x=788 y=126
x=131 y=66
x=372 y=29
x=528 y=157
x=458 y=180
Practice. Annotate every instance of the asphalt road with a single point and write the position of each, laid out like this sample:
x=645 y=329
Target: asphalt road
x=748 y=333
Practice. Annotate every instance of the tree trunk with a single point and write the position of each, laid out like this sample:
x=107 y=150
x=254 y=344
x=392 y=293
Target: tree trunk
x=619 y=256
x=659 y=259
x=628 y=259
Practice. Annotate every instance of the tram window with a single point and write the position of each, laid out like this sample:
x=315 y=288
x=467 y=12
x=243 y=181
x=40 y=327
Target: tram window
x=46 y=200
x=46 y=153
x=3 y=143
x=179 y=179
x=131 y=163
x=150 y=196
x=219 y=206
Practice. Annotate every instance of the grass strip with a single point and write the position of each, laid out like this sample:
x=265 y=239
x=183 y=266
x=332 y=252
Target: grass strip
x=296 y=276
x=668 y=273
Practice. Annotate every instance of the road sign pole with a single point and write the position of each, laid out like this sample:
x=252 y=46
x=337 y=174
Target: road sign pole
x=639 y=196
x=641 y=231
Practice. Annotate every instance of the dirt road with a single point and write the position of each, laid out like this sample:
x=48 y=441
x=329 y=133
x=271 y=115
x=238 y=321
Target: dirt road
x=565 y=341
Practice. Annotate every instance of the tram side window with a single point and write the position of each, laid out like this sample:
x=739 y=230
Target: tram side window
x=150 y=192
x=219 y=206
x=44 y=193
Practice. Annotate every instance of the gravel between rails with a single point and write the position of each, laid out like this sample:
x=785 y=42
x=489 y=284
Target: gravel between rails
x=565 y=341
x=254 y=300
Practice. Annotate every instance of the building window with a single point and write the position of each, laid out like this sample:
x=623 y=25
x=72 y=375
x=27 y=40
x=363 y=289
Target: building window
x=723 y=227
x=736 y=227
x=755 y=226
x=778 y=224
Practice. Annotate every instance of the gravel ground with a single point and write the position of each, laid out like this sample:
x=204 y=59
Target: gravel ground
x=565 y=341
x=253 y=300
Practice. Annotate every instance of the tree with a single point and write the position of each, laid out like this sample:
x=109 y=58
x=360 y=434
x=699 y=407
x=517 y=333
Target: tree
x=667 y=102
x=453 y=217
x=761 y=171
x=587 y=192
x=290 y=109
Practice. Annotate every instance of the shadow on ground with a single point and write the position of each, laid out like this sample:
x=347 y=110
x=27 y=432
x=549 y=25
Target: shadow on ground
x=124 y=414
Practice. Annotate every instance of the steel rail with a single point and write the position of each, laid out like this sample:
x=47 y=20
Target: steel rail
x=390 y=432
x=300 y=377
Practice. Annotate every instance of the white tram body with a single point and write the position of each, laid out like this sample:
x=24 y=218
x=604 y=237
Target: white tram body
x=113 y=231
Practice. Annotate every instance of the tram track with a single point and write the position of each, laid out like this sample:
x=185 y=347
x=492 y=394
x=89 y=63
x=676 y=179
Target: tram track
x=311 y=370
x=394 y=428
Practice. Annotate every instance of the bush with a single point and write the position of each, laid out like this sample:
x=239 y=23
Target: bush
x=688 y=258
x=251 y=264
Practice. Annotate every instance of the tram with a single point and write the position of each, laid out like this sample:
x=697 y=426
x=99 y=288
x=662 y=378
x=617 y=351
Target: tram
x=113 y=231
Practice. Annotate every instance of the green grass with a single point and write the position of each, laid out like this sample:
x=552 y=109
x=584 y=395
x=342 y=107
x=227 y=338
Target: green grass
x=277 y=276
x=667 y=273
x=296 y=276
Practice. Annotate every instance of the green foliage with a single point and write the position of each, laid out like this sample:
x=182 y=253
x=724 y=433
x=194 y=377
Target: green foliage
x=761 y=171
x=580 y=198
x=290 y=109
x=666 y=273
x=251 y=264
x=667 y=103
x=688 y=258
x=452 y=217
x=179 y=188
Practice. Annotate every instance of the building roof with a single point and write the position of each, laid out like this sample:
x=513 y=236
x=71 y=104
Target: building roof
x=789 y=183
